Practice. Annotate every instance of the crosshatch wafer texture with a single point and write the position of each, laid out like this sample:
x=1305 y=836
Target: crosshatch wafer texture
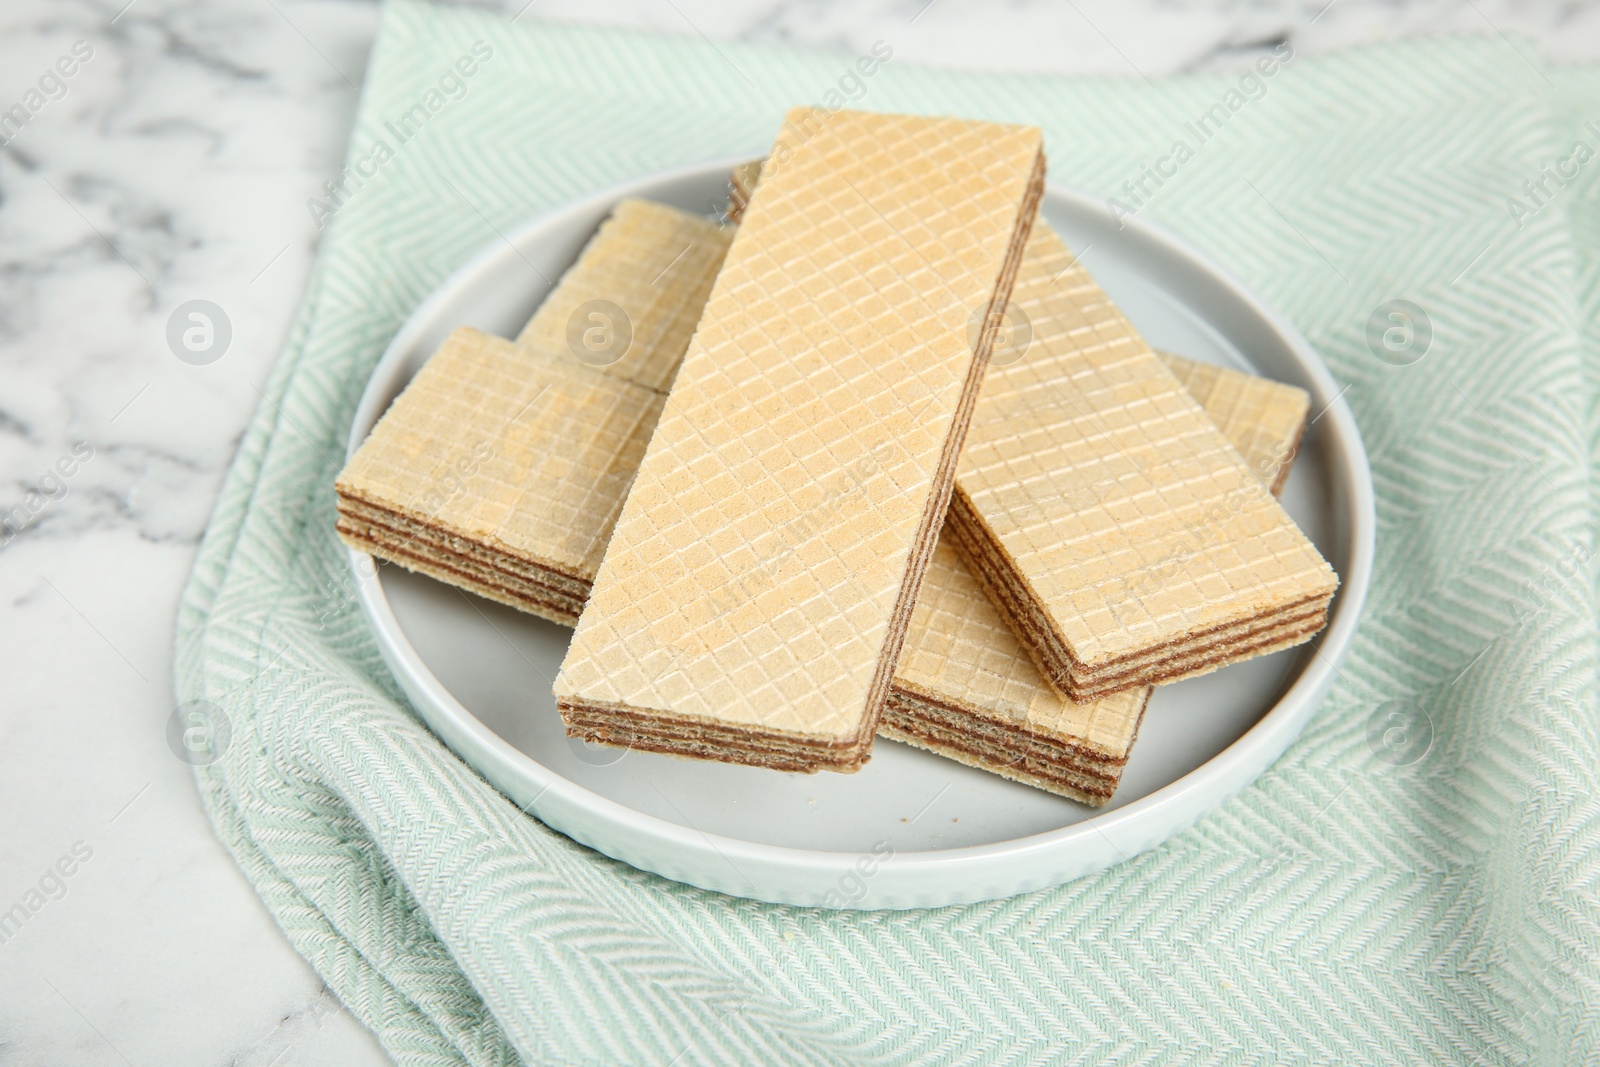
x=521 y=452
x=1106 y=515
x=404 y=497
x=1261 y=418
x=762 y=572
x=965 y=686
x=1258 y=406
x=652 y=263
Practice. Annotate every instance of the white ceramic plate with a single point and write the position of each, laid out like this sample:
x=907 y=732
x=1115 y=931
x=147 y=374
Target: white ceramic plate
x=911 y=829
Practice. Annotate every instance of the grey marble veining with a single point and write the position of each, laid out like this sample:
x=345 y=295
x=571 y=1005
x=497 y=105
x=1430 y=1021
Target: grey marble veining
x=173 y=164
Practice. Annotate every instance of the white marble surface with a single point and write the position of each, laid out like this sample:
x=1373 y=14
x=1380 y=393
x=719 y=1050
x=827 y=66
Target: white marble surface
x=176 y=166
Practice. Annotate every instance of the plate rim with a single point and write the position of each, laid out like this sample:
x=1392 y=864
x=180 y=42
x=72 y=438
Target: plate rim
x=1216 y=780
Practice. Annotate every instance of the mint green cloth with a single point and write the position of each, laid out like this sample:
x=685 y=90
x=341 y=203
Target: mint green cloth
x=1342 y=909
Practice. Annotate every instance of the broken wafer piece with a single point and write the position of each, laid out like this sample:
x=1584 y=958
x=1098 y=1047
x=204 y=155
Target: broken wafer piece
x=966 y=688
x=755 y=594
x=1111 y=522
x=468 y=479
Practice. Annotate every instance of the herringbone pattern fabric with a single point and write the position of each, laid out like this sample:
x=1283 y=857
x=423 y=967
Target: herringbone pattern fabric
x=1343 y=909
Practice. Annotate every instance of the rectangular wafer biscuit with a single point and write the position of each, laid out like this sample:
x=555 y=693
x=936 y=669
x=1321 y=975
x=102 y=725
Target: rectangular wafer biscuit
x=502 y=468
x=966 y=688
x=622 y=313
x=1109 y=520
x=754 y=596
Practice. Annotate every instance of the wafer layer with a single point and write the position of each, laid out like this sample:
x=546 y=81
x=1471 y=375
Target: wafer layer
x=458 y=562
x=1108 y=519
x=758 y=584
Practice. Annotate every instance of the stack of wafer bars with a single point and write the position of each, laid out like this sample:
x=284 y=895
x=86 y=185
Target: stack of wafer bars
x=765 y=567
x=1104 y=514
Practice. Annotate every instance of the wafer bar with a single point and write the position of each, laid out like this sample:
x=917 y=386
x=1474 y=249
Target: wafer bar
x=502 y=468
x=1110 y=522
x=755 y=594
x=965 y=686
